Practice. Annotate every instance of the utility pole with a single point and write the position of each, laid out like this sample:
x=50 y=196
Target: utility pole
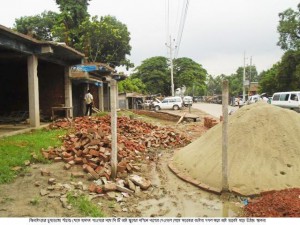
x=250 y=70
x=170 y=46
x=250 y=75
x=114 y=138
x=225 y=185
x=244 y=78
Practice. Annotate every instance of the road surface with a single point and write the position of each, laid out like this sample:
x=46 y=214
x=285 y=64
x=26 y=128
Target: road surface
x=213 y=109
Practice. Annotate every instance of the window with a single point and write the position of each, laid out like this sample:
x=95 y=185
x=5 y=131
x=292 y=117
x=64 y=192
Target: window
x=294 y=97
x=284 y=97
x=276 y=97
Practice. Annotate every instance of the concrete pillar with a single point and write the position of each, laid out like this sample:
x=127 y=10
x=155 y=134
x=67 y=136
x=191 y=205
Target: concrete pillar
x=33 y=91
x=68 y=90
x=117 y=96
x=225 y=185
x=101 y=98
x=114 y=150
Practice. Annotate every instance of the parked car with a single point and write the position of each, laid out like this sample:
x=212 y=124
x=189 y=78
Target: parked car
x=168 y=103
x=187 y=100
x=238 y=102
x=253 y=98
x=288 y=100
x=147 y=104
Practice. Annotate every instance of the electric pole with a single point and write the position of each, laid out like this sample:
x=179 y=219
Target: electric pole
x=170 y=46
x=244 y=78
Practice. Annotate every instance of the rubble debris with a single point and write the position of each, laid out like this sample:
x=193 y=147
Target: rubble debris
x=210 y=122
x=284 y=203
x=90 y=145
x=52 y=181
x=45 y=172
x=143 y=183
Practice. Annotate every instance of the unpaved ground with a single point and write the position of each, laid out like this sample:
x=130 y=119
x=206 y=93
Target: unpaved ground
x=168 y=196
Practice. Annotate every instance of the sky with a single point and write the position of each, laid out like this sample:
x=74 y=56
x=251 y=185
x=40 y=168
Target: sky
x=216 y=34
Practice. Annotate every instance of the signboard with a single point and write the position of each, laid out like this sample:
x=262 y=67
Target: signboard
x=246 y=83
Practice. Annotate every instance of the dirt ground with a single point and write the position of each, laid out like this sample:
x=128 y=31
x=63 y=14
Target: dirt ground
x=168 y=195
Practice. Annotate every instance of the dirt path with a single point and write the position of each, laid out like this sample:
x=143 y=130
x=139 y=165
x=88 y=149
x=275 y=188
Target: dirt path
x=168 y=196
x=173 y=197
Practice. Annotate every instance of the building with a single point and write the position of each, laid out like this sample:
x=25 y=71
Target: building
x=37 y=77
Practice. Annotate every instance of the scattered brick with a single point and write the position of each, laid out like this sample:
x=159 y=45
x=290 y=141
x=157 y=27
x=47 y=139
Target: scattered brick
x=45 y=172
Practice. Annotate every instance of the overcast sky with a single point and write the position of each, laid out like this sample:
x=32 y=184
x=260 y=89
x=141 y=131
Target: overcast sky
x=216 y=32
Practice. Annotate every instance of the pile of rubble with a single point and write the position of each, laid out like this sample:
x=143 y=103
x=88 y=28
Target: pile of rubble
x=284 y=203
x=210 y=122
x=89 y=146
x=134 y=184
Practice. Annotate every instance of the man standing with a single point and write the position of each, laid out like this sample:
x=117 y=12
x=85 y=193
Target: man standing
x=89 y=102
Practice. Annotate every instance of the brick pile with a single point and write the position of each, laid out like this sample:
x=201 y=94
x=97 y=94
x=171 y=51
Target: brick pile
x=90 y=144
x=283 y=203
x=210 y=122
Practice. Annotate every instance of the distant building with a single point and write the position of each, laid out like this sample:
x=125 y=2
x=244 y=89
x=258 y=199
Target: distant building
x=253 y=88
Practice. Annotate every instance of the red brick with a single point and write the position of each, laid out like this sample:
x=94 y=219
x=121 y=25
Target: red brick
x=92 y=172
x=92 y=187
x=94 y=152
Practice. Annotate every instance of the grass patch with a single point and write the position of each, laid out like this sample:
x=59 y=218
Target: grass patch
x=35 y=201
x=85 y=206
x=100 y=114
x=15 y=150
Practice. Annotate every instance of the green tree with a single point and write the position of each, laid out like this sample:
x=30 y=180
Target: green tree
x=38 y=26
x=132 y=85
x=73 y=13
x=268 y=80
x=154 y=73
x=288 y=77
x=236 y=80
x=103 y=40
x=107 y=40
x=289 y=29
x=190 y=74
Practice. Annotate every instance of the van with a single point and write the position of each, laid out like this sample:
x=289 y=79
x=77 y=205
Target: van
x=253 y=99
x=187 y=100
x=288 y=100
x=168 y=103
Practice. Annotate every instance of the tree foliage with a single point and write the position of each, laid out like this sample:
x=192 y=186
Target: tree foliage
x=156 y=75
x=289 y=29
x=38 y=26
x=73 y=14
x=107 y=41
x=283 y=76
x=289 y=71
x=190 y=74
x=214 y=84
x=132 y=85
x=103 y=40
x=268 y=83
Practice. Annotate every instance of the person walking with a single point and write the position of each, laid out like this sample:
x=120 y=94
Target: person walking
x=89 y=102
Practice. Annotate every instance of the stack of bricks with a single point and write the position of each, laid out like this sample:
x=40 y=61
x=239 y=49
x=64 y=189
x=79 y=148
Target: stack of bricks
x=210 y=122
x=90 y=145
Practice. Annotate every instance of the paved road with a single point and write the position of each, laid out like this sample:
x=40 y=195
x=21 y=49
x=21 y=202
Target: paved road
x=212 y=109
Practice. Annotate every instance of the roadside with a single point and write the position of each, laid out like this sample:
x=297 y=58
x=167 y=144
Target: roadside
x=33 y=194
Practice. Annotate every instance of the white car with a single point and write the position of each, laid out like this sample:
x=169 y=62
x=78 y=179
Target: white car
x=187 y=100
x=238 y=102
x=253 y=99
x=168 y=103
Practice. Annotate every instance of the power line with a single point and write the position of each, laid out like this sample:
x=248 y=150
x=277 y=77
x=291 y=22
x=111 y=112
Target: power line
x=167 y=18
x=181 y=26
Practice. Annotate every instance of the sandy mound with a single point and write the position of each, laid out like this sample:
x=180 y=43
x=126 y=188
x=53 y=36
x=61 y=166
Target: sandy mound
x=263 y=151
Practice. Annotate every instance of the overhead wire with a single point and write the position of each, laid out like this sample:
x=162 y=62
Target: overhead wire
x=167 y=18
x=181 y=27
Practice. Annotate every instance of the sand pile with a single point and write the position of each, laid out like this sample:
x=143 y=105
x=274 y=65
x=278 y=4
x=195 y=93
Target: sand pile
x=263 y=151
